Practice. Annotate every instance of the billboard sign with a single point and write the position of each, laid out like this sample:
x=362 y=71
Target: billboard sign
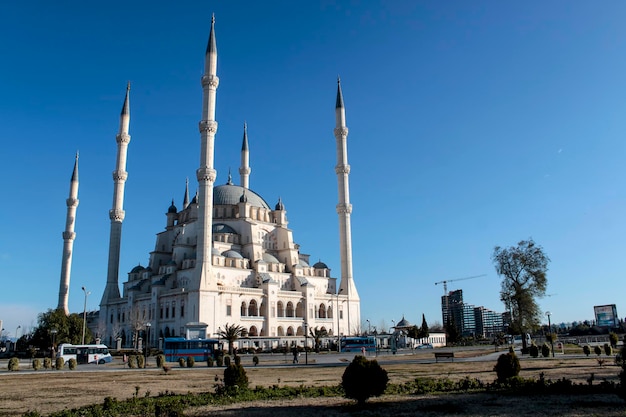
x=606 y=316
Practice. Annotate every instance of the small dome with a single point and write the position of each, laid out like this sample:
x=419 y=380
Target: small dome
x=302 y=262
x=232 y=254
x=270 y=258
x=172 y=262
x=137 y=269
x=223 y=228
x=279 y=205
x=229 y=194
x=403 y=323
x=320 y=265
x=215 y=251
x=172 y=209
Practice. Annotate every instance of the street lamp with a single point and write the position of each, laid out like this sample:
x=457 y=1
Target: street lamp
x=84 y=314
x=550 y=330
x=148 y=325
x=369 y=327
x=54 y=336
x=306 y=343
x=337 y=313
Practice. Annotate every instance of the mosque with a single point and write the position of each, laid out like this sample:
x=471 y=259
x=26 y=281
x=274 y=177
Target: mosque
x=226 y=256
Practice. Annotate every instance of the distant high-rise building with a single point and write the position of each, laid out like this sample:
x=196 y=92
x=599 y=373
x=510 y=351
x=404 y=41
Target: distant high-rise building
x=468 y=319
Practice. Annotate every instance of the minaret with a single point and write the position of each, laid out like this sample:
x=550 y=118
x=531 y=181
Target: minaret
x=68 y=240
x=186 y=197
x=344 y=208
x=206 y=173
x=244 y=169
x=116 y=214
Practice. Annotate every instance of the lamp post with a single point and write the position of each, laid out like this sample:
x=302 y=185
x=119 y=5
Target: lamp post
x=54 y=336
x=369 y=327
x=550 y=330
x=15 y=345
x=84 y=314
x=338 y=339
x=147 y=347
x=306 y=343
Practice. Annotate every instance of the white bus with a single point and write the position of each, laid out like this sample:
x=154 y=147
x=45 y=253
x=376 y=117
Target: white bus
x=85 y=353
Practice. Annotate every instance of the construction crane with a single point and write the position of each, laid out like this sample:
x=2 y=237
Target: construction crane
x=445 y=282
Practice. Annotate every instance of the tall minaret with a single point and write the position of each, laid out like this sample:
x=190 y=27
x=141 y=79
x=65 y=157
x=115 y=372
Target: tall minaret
x=206 y=173
x=68 y=240
x=186 y=196
x=116 y=214
x=244 y=169
x=344 y=208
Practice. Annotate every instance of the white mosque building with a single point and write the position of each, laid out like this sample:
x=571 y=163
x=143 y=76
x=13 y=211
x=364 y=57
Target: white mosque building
x=226 y=256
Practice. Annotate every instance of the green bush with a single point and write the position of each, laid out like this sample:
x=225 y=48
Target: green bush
x=507 y=366
x=227 y=361
x=586 y=350
x=191 y=362
x=608 y=350
x=237 y=360
x=36 y=364
x=545 y=350
x=141 y=361
x=613 y=339
x=59 y=363
x=14 y=364
x=255 y=360
x=182 y=362
x=235 y=375
x=533 y=350
x=132 y=361
x=72 y=364
x=47 y=363
x=210 y=361
x=363 y=379
x=160 y=361
x=219 y=360
x=597 y=350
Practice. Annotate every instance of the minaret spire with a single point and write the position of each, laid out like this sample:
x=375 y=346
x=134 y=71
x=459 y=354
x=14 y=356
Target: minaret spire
x=68 y=240
x=116 y=214
x=206 y=173
x=344 y=209
x=244 y=169
x=186 y=197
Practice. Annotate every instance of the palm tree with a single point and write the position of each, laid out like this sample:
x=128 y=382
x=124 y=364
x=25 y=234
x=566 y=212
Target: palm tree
x=317 y=335
x=231 y=333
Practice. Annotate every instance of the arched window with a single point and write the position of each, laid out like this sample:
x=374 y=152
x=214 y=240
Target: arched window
x=281 y=309
x=252 y=308
x=263 y=310
x=281 y=332
x=322 y=311
x=244 y=309
x=300 y=310
x=329 y=312
x=290 y=331
x=300 y=331
x=290 y=312
x=253 y=331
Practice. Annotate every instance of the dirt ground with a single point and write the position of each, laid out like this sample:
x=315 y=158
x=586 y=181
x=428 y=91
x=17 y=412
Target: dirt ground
x=51 y=391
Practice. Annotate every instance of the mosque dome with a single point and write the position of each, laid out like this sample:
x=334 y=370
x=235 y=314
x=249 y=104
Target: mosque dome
x=302 y=262
x=223 y=228
x=229 y=194
x=270 y=258
x=320 y=265
x=172 y=209
x=137 y=269
x=232 y=254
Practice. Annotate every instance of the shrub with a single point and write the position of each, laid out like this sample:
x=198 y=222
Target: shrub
x=219 y=361
x=36 y=364
x=507 y=366
x=235 y=375
x=608 y=350
x=255 y=360
x=47 y=363
x=597 y=350
x=59 y=363
x=132 y=361
x=533 y=350
x=72 y=364
x=160 y=360
x=586 y=350
x=182 y=362
x=210 y=361
x=237 y=360
x=545 y=350
x=613 y=339
x=141 y=361
x=227 y=361
x=191 y=362
x=14 y=364
x=363 y=379
x=621 y=388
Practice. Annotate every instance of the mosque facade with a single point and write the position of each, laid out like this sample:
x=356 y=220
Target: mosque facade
x=226 y=256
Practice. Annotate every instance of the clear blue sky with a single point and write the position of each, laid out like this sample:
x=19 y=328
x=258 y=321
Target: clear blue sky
x=472 y=124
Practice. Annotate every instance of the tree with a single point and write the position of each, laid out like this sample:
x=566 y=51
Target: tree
x=317 y=336
x=69 y=329
x=451 y=331
x=231 y=333
x=363 y=379
x=424 y=333
x=523 y=270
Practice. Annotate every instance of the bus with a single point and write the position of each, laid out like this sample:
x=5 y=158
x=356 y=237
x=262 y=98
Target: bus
x=98 y=354
x=179 y=347
x=358 y=343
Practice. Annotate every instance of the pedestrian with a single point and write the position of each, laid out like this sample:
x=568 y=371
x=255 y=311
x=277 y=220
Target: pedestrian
x=294 y=350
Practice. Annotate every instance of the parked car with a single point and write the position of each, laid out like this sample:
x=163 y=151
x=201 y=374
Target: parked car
x=425 y=346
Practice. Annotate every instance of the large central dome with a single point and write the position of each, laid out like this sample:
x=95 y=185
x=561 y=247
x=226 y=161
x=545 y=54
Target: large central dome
x=229 y=194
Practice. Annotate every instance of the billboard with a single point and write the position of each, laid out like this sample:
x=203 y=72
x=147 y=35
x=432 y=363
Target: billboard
x=606 y=316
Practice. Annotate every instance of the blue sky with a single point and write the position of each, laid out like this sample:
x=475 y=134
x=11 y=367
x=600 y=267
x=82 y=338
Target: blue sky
x=472 y=124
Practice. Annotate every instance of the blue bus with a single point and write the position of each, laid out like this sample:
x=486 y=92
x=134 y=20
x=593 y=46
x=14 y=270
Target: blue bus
x=179 y=347
x=358 y=344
